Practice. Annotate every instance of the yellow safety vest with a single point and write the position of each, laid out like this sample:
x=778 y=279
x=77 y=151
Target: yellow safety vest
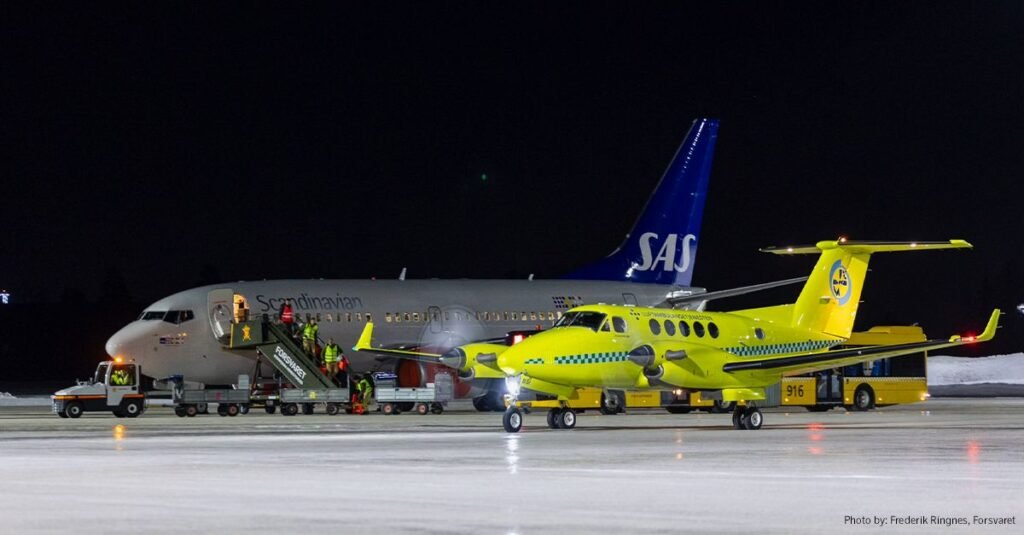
x=331 y=353
x=309 y=331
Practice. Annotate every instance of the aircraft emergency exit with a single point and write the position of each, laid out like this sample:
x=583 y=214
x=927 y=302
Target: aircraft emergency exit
x=737 y=353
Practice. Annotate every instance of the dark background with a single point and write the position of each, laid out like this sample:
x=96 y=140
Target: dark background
x=148 y=148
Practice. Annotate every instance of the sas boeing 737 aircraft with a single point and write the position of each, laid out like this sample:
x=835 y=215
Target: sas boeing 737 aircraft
x=738 y=354
x=185 y=332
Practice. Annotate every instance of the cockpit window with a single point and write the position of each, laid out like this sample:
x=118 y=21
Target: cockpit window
x=591 y=320
x=153 y=315
x=619 y=324
x=178 y=316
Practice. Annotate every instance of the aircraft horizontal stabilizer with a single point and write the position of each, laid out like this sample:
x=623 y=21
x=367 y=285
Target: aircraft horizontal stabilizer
x=845 y=357
x=675 y=300
x=365 y=345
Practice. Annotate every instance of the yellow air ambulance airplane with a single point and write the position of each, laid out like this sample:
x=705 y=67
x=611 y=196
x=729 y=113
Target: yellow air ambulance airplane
x=739 y=353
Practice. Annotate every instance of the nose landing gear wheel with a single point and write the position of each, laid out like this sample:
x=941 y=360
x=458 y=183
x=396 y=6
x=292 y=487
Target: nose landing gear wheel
x=512 y=420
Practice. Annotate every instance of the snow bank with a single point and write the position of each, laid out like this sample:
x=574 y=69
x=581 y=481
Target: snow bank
x=8 y=400
x=997 y=369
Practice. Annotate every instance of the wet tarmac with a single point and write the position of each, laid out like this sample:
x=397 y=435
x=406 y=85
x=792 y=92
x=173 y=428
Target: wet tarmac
x=943 y=462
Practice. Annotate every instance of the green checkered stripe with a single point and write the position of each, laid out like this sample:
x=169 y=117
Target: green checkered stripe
x=773 y=349
x=592 y=358
x=535 y=361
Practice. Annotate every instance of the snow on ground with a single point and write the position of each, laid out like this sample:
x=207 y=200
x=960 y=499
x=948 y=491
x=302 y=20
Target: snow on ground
x=7 y=400
x=997 y=369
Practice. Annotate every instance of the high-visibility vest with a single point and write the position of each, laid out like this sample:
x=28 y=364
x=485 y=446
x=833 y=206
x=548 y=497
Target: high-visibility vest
x=331 y=353
x=309 y=331
x=286 y=314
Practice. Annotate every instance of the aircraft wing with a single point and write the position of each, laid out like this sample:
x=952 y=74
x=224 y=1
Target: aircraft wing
x=365 y=345
x=795 y=364
x=675 y=300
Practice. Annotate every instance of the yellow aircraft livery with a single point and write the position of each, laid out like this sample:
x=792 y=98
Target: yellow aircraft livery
x=738 y=353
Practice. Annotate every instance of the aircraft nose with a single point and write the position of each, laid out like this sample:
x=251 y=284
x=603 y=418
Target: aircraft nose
x=512 y=359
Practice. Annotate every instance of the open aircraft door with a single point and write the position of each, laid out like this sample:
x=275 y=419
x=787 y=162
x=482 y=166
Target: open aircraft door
x=435 y=320
x=220 y=307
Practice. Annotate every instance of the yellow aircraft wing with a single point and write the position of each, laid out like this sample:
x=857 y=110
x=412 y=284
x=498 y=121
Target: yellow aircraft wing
x=844 y=357
x=365 y=344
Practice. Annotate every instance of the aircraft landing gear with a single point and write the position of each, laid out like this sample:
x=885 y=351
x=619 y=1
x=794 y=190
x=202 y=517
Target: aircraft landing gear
x=748 y=417
x=512 y=420
x=563 y=418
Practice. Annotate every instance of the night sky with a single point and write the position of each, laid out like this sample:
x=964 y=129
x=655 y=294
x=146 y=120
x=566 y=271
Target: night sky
x=173 y=144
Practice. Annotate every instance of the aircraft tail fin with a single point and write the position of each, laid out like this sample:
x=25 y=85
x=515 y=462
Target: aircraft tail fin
x=662 y=245
x=829 y=300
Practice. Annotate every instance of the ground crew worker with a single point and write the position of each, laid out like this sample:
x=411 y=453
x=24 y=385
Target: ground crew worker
x=287 y=316
x=309 y=333
x=331 y=353
x=343 y=370
x=365 y=390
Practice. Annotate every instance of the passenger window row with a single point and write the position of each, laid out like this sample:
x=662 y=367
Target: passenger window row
x=684 y=328
x=416 y=317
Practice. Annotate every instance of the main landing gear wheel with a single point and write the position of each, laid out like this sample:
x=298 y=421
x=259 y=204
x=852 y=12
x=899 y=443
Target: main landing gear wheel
x=567 y=419
x=554 y=415
x=611 y=403
x=752 y=418
x=737 y=418
x=512 y=420
x=863 y=398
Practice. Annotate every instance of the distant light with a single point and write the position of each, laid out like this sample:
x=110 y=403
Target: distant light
x=789 y=249
x=969 y=338
x=1020 y=308
x=913 y=244
x=483 y=177
x=842 y=239
x=5 y=297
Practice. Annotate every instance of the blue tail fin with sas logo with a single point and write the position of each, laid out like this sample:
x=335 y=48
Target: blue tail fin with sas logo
x=662 y=246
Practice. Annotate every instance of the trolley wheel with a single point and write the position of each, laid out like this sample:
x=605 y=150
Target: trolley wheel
x=752 y=418
x=270 y=409
x=863 y=398
x=422 y=409
x=232 y=410
x=222 y=409
x=567 y=419
x=289 y=409
x=737 y=418
x=73 y=409
x=388 y=409
x=307 y=408
x=191 y=411
x=553 y=417
x=244 y=408
x=512 y=420
x=436 y=408
x=721 y=406
x=179 y=411
x=132 y=409
x=332 y=409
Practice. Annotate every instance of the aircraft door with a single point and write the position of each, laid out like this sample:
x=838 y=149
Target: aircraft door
x=435 y=321
x=221 y=309
x=629 y=299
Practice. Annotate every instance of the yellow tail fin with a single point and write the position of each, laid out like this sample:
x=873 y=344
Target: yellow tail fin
x=828 y=302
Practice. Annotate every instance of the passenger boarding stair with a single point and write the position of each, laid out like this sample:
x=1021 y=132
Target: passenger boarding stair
x=281 y=351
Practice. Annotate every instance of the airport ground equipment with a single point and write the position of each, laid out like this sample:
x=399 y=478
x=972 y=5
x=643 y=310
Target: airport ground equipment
x=114 y=387
x=433 y=398
x=230 y=401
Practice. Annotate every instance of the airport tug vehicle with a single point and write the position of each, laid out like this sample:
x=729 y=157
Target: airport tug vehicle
x=114 y=388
